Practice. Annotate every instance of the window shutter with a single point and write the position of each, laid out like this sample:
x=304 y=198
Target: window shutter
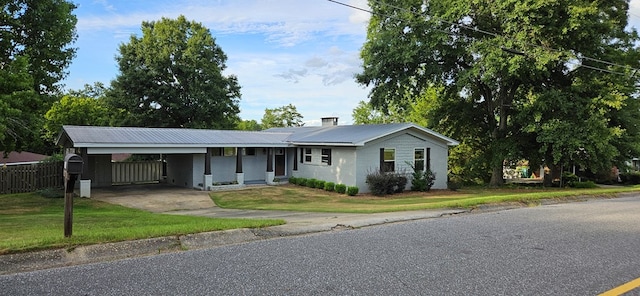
x=329 y=160
x=429 y=159
x=382 y=160
x=301 y=155
x=295 y=159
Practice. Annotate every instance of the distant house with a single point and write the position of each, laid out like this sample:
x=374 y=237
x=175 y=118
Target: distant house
x=202 y=158
x=16 y=158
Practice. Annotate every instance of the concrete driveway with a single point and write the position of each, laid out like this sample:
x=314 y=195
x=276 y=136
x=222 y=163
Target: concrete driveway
x=157 y=198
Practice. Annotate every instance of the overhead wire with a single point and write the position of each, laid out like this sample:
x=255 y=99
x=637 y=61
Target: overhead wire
x=496 y=35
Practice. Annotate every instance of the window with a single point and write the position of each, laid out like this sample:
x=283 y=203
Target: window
x=418 y=159
x=307 y=155
x=389 y=164
x=216 y=152
x=229 y=151
x=250 y=151
x=326 y=156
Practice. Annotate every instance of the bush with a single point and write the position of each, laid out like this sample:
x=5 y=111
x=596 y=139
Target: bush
x=631 y=178
x=293 y=180
x=319 y=184
x=341 y=188
x=422 y=180
x=329 y=186
x=587 y=184
x=311 y=183
x=381 y=183
x=301 y=181
x=352 y=190
x=568 y=179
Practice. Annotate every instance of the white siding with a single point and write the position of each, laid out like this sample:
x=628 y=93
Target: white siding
x=368 y=157
x=341 y=170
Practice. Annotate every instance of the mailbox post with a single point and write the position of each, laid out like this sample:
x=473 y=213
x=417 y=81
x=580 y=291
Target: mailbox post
x=72 y=168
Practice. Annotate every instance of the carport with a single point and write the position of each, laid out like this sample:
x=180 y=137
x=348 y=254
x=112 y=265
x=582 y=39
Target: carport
x=194 y=158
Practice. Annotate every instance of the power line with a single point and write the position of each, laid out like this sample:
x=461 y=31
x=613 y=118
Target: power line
x=496 y=35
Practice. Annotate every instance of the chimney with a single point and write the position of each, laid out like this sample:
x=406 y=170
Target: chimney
x=329 y=121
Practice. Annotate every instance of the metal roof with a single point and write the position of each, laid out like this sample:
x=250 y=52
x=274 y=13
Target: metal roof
x=98 y=136
x=340 y=135
x=356 y=135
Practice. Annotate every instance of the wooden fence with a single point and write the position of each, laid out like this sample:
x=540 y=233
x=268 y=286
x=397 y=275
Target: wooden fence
x=136 y=172
x=31 y=177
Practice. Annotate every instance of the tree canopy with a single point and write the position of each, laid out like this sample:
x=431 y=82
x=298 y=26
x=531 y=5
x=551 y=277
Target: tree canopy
x=78 y=107
x=284 y=116
x=35 y=39
x=517 y=79
x=172 y=77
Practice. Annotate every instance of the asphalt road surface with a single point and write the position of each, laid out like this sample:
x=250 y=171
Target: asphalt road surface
x=578 y=248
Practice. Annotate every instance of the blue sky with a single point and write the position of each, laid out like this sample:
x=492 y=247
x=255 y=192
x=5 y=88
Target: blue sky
x=296 y=52
x=300 y=52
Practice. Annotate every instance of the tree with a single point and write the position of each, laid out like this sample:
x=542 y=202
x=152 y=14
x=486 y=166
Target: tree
x=366 y=113
x=76 y=110
x=172 y=77
x=35 y=38
x=492 y=58
x=16 y=91
x=248 y=125
x=284 y=116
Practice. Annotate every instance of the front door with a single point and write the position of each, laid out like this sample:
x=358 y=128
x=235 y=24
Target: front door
x=280 y=162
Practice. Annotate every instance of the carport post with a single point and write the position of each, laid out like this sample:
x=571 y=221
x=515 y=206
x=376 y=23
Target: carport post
x=207 y=179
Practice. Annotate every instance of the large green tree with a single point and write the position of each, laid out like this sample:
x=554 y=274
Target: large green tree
x=78 y=107
x=35 y=39
x=284 y=116
x=172 y=77
x=495 y=60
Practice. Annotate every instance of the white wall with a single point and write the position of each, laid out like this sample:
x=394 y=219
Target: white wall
x=180 y=171
x=368 y=158
x=341 y=170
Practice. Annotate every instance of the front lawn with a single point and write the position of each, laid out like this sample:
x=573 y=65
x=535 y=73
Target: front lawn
x=298 y=198
x=30 y=222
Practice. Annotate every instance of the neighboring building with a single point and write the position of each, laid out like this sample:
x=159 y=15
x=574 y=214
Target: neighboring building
x=16 y=158
x=201 y=158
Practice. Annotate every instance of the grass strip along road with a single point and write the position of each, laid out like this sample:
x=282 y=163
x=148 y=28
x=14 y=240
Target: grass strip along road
x=298 y=198
x=29 y=222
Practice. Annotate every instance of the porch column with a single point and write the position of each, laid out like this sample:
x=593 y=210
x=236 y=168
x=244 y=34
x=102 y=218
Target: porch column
x=239 y=172
x=270 y=175
x=207 y=178
x=295 y=159
x=85 y=181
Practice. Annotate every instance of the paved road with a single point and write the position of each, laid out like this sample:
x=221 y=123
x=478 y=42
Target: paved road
x=580 y=248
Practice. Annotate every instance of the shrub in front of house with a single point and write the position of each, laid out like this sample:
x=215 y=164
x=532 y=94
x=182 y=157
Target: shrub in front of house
x=311 y=183
x=352 y=190
x=422 y=180
x=293 y=180
x=381 y=183
x=319 y=184
x=329 y=186
x=301 y=181
x=341 y=188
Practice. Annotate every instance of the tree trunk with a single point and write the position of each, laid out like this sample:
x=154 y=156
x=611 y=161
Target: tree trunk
x=496 y=176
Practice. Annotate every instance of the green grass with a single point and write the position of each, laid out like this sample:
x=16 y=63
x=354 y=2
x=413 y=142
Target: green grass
x=30 y=222
x=298 y=198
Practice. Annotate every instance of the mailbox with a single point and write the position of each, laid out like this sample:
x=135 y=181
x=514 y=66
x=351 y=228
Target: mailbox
x=73 y=164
